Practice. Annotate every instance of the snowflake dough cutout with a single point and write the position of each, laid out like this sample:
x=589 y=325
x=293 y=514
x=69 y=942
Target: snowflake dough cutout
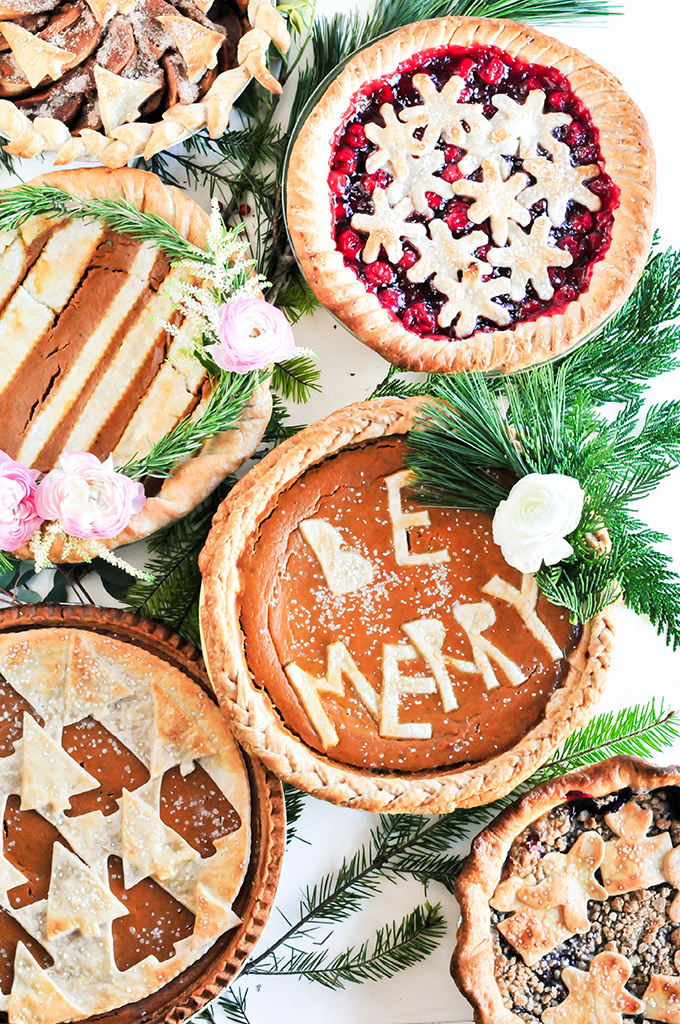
x=635 y=860
x=441 y=253
x=480 y=143
x=662 y=999
x=528 y=258
x=524 y=125
x=596 y=996
x=471 y=297
x=557 y=181
x=395 y=141
x=495 y=199
x=440 y=113
x=386 y=226
x=550 y=910
x=421 y=180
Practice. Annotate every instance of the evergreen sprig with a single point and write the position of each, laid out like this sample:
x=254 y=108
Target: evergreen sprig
x=395 y=947
x=225 y=406
x=480 y=434
x=294 y=800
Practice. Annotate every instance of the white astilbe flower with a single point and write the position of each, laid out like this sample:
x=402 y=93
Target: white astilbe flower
x=226 y=270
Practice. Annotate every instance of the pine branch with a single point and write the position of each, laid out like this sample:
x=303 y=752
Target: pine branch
x=232 y=1002
x=172 y=595
x=295 y=378
x=639 y=343
x=395 y=948
x=225 y=406
x=278 y=429
x=295 y=804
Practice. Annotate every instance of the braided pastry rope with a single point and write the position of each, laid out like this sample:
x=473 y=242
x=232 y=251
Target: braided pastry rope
x=29 y=137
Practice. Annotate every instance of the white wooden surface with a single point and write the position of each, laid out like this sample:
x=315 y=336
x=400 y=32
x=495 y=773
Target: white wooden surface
x=641 y=49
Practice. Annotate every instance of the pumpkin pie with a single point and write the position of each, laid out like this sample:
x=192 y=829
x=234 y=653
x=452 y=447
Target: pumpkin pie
x=126 y=831
x=376 y=652
x=471 y=194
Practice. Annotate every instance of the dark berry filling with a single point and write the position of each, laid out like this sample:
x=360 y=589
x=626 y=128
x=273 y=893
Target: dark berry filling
x=586 y=235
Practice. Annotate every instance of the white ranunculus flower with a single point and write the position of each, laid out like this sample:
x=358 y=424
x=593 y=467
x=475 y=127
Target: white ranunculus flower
x=540 y=511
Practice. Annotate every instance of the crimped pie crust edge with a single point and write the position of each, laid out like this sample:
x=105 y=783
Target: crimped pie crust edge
x=625 y=145
x=256 y=721
x=221 y=455
x=472 y=963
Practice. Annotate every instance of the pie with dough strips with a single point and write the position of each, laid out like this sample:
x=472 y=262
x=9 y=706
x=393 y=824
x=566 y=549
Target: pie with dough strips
x=459 y=127
x=126 y=824
x=568 y=902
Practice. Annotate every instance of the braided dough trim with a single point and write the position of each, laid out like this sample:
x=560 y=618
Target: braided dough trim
x=29 y=137
x=253 y=716
x=220 y=455
x=472 y=964
x=625 y=145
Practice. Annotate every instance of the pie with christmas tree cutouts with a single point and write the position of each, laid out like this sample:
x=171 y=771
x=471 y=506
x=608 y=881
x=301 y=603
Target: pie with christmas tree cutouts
x=126 y=835
x=471 y=194
x=570 y=902
x=377 y=652
x=87 y=362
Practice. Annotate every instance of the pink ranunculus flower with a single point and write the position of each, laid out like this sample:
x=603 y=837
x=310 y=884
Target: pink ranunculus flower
x=18 y=516
x=88 y=497
x=253 y=334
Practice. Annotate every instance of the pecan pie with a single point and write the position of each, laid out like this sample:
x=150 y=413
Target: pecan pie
x=126 y=829
x=375 y=652
x=86 y=361
x=570 y=905
x=470 y=193
x=111 y=80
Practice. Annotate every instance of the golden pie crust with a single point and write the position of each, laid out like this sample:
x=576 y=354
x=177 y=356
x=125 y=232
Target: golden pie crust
x=87 y=698
x=254 y=717
x=124 y=136
x=161 y=409
x=625 y=146
x=472 y=964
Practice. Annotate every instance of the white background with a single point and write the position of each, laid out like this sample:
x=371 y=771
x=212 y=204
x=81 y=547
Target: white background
x=641 y=48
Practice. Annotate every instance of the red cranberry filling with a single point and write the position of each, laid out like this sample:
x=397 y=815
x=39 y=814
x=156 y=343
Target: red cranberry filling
x=488 y=71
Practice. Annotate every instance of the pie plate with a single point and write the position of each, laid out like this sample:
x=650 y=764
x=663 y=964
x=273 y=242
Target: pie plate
x=200 y=982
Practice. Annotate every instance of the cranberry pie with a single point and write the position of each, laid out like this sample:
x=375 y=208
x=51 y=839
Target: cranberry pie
x=86 y=362
x=375 y=652
x=126 y=831
x=471 y=194
x=111 y=80
x=570 y=904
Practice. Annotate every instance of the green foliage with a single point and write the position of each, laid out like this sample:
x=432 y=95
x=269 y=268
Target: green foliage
x=481 y=433
x=225 y=406
x=172 y=596
x=395 y=947
x=232 y=1002
x=295 y=804
x=296 y=377
x=278 y=428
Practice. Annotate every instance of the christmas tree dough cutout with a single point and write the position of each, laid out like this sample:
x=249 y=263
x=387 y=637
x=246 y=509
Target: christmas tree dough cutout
x=551 y=910
x=150 y=847
x=213 y=917
x=179 y=739
x=90 y=684
x=76 y=898
x=34 y=996
x=635 y=860
x=662 y=999
x=596 y=996
x=50 y=776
